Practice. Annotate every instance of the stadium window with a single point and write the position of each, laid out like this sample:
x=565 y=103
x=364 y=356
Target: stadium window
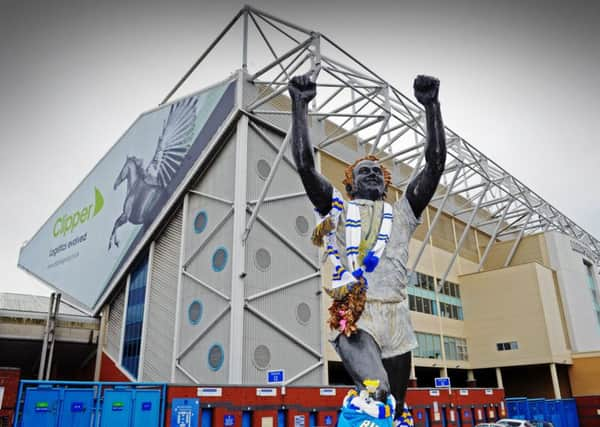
x=453 y=287
x=442 y=309
x=426 y=306
x=593 y=288
x=134 y=317
x=413 y=280
x=412 y=305
x=462 y=349
x=505 y=346
x=430 y=283
x=456 y=348
x=429 y=346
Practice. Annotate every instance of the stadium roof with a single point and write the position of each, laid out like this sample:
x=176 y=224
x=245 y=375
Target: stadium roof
x=389 y=124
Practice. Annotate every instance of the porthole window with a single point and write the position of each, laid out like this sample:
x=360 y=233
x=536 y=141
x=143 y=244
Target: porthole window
x=200 y=221
x=303 y=313
x=262 y=357
x=263 y=168
x=262 y=259
x=195 y=312
x=216 y=356
x=219 y=259
x=302 y=225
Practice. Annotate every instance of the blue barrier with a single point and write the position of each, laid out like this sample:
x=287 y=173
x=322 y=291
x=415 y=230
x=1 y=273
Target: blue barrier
x=96 y=404
x=560 y=412
x=518 y=408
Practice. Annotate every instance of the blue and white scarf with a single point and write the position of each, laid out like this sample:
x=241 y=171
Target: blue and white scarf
x=350 y=274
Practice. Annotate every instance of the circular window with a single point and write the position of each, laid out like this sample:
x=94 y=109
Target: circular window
x=263 y=168
x=219 y=259
x=216 y=356
x=200 y=222
x=262 y=258
x=302 y=225
x=303 y=313
x=195 y=312
x=262 y=357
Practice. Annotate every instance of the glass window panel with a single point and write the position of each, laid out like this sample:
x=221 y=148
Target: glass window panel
x=413 y=280
x=454 y=312
x=134 y=317
x=426 y=306
x=499 y=346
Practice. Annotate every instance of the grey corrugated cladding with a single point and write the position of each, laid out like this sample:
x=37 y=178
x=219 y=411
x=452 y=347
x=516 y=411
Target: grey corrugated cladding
x=115 y=324
x=160 y=325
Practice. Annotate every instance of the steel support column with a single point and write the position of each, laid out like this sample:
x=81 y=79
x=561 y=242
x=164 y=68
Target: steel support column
x=463 y=237
x=238 y=259
x=435 y=219
x=517 y=241
x=493 y=236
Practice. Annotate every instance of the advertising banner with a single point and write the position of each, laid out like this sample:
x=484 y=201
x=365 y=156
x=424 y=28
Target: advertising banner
x=85 y=242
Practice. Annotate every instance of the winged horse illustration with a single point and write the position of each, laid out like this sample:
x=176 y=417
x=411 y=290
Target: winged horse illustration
x=146 y=186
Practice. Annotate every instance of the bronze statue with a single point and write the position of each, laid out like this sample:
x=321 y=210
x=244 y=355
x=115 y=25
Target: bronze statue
x=372 y=332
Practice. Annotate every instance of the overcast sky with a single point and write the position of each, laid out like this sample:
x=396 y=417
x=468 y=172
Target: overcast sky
x=520 y=81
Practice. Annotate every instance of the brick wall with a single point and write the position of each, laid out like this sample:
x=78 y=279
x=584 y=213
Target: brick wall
x=9 y=379
x=111 y=372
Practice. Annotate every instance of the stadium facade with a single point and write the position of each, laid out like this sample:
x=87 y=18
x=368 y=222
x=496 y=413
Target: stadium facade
x=221 y=284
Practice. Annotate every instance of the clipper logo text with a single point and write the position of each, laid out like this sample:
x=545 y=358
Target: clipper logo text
x=69 y=222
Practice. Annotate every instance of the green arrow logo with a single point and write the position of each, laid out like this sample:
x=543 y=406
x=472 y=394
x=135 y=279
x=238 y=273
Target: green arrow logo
x=68 y=222
x=98 y=201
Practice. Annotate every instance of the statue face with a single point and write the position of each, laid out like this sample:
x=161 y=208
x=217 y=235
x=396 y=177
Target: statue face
x=368 y=181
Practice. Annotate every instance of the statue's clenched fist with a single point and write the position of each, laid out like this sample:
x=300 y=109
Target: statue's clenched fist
x=302 y=88
x=426 y=89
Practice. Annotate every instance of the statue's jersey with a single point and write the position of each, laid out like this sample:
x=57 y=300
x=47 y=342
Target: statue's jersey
x=386 y=316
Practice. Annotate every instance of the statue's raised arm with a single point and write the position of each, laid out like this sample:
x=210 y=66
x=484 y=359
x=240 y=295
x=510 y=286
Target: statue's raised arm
x=319 y=190
x=422 y=187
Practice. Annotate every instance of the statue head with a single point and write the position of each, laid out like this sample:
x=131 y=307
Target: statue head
x=367 y=179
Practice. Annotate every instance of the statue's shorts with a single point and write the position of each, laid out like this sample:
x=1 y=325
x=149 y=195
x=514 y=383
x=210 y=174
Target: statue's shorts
x=390 y=326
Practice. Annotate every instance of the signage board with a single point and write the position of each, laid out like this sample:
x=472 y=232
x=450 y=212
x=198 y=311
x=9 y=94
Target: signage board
x=275 y=376
x=209 y=392
x=442 y=382
x=185 y=412
x=84 y=246
x=327 y=392
x=266 y=392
